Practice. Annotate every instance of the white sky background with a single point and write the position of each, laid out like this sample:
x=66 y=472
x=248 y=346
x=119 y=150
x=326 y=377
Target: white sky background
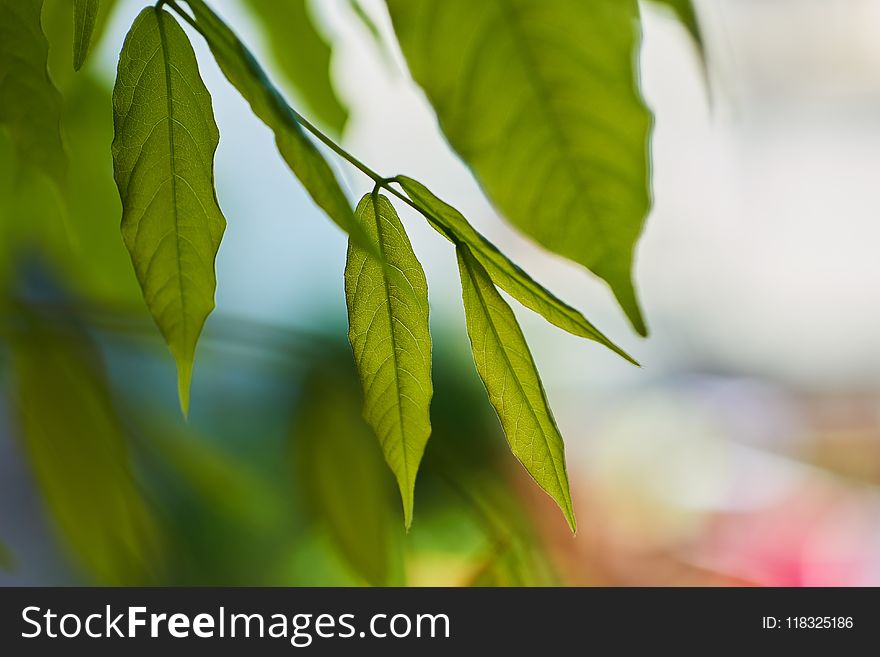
x=761 y=254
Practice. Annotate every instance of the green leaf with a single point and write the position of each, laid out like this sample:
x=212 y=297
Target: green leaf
x=78 y=237
x=30 y=105
x=687 y=15
x=391 y=342
x=515 y=390
x=504 y=273
x=65 y=38
x=305 y=65
x=77 y=448
x=298 y=151
x=541 y=100
x=84 y=14
x=163 y=160
x=343 y=481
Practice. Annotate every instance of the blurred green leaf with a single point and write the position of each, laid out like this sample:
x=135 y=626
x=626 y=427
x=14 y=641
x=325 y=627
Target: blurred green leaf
x=61 y=32
x=514 y=557
x=84 y=14
x=298 y=151
x=541 y=100
x=99 y=263
x=30 y=105
x=227 y=487
x=515 y=390
x=504 y=273
x=391 y=342
x=501 y=568
x=303 y=55
x=7 y=561
x=78 y=451
x=163 y=159
x=77 y=232
x=314 y=560
x=372 y=29
x=74 y=230
x=30 y=210
x=342 y=477
x=685 y=12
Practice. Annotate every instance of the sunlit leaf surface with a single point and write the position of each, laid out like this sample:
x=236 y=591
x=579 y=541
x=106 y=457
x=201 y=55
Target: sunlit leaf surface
x=388 y=331
x=163 y=158
x=515 y=390
x=504 y=273
x=541 y=100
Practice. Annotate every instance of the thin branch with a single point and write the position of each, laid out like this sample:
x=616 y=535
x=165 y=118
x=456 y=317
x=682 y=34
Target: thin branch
x=381 y=181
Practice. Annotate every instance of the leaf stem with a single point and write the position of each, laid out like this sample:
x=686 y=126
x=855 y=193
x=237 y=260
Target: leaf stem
x=381 y=181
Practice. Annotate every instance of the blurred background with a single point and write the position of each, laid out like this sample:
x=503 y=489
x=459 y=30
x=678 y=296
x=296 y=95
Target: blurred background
x=746 y=451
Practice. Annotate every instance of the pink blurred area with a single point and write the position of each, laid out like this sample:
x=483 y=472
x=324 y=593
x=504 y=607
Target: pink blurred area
x=804 y=513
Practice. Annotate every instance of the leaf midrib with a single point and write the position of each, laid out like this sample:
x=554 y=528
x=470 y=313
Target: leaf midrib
x=393 y=327
x=485 y=305
x=511 y=16
x=173 y=167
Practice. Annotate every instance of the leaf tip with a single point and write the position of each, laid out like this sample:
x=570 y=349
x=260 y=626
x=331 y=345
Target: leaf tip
x=625 y=292
x=407 y=497
x=407 y=511
x=634 y=314
x=564 y=501
x=184 y=380
x=620 y=352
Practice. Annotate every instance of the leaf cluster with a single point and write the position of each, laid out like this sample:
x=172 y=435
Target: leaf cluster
x=540 y=99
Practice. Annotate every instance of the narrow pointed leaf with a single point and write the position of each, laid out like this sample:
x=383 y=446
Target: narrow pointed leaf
x=541 y=99
x=306 y=66
x=687 y=15
x=504 y=273
x=84 y=14
x=508 y=371
x=304 y=159
x=388 y=331
x=369 y=24
x=163 y=161
x=30 y=105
